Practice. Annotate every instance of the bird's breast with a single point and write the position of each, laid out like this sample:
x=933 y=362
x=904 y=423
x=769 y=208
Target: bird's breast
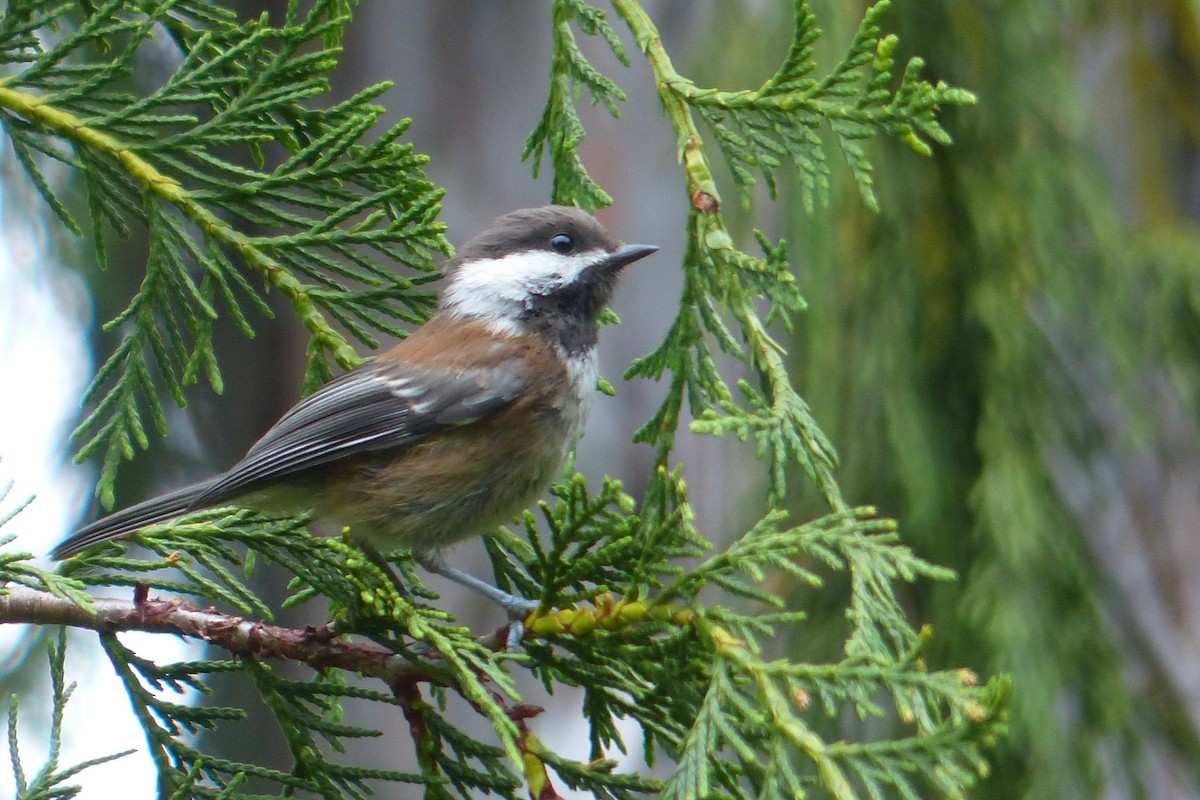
x=466 y=480
x=582 y=371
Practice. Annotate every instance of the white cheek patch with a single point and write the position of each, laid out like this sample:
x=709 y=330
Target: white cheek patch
x=498 y=290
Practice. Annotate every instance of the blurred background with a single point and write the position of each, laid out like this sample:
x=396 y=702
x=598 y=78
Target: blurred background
x=1006 y=356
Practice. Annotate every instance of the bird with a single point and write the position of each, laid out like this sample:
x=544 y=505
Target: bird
x=455 y=429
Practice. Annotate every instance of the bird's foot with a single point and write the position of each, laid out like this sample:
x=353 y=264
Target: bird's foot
x=518 y=609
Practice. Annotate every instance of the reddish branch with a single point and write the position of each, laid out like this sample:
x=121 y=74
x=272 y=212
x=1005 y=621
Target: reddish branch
x=313 y=646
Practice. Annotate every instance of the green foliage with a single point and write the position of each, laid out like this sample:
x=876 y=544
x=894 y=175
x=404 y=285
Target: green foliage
x=778 y=123
x=778 y=120
x=51 y=781
x=620 y=616
x=695 y=678
x=990 y=357
x=559 y=131
x=306 y=711
x=748 y=734
x=361 y=598
x=229 y=169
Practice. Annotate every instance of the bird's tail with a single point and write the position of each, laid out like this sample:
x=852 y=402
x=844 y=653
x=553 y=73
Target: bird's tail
x=132 y=519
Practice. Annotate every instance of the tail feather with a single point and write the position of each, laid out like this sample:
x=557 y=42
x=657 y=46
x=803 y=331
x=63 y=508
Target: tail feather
x=130 y=520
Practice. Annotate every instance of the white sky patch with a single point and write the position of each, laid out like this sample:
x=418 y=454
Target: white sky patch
x=568 y=732
x=44 y=358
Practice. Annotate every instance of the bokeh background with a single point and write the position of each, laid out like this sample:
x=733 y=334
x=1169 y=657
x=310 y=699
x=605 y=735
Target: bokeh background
x=1005 y=356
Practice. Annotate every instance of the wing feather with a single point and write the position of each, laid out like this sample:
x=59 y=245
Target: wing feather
x=382 y=405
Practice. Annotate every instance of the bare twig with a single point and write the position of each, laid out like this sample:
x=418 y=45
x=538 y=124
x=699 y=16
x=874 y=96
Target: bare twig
x=318 y=648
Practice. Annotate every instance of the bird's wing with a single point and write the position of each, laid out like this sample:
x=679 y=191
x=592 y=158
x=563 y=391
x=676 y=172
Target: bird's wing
x=381 y=405
x=129 y=520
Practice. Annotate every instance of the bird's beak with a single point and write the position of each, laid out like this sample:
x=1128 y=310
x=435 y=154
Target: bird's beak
x=627 y=254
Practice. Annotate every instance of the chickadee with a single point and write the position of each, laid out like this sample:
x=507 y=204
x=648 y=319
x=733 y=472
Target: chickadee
x=455 y=429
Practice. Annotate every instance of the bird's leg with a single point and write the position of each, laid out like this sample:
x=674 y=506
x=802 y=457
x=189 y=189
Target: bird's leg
x=517 y=608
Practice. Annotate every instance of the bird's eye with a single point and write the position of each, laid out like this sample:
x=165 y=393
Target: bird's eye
x=562 y=243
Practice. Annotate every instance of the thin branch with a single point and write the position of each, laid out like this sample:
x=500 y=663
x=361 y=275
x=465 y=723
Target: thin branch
x=317 y=647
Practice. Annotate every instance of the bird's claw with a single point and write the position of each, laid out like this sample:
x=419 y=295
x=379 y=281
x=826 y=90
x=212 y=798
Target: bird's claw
x=518 y=608
x=516 y=632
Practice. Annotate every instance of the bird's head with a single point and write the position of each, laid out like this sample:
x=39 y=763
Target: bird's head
x=546 y=271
